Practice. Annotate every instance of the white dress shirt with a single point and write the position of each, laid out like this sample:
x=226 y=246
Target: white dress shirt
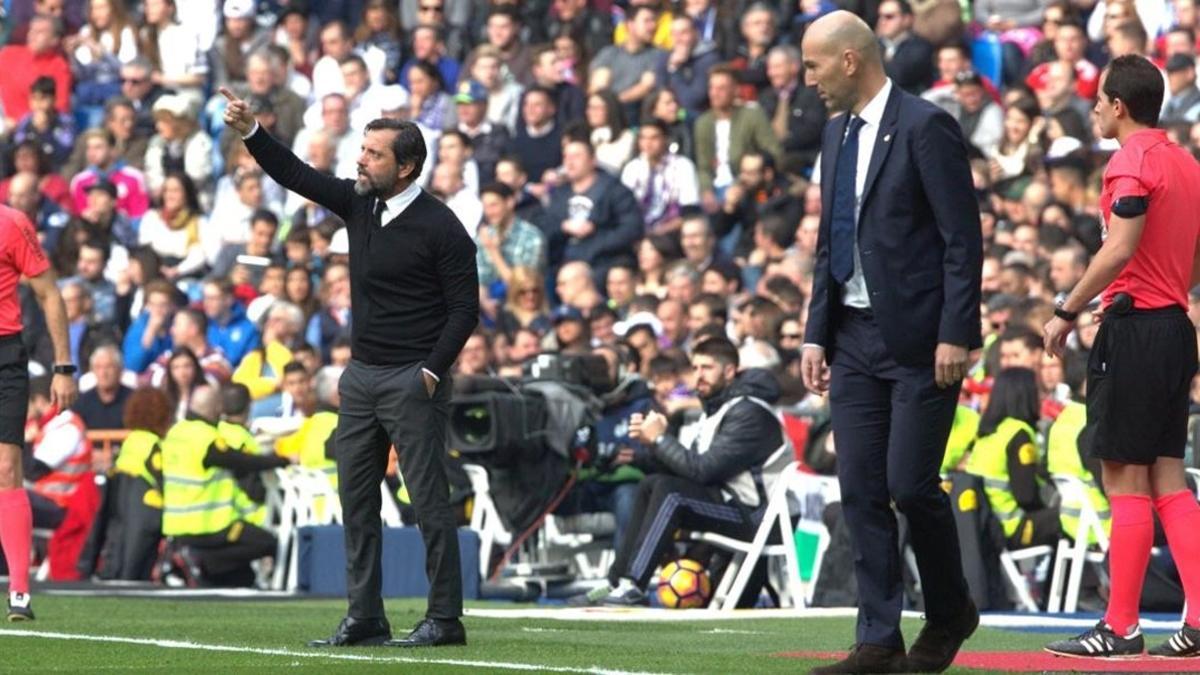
x=398 y=203
x=854 y=292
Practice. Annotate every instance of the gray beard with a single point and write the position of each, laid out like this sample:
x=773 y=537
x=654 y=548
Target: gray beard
x=365 y=188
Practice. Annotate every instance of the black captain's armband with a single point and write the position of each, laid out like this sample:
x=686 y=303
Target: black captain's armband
x=1130 y=207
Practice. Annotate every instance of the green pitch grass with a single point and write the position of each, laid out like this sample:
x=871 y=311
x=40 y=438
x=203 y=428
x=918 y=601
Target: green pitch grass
x=283 y=627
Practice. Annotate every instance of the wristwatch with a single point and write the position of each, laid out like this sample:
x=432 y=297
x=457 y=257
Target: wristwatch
x=1064 y=314
x=65 y=369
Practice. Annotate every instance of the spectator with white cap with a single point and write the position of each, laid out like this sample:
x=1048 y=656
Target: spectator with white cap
x=339 y=248
x=240 y=38
x=179 y=144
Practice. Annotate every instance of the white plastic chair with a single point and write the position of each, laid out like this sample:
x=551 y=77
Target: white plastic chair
x=1195 y=474
x=584 y=536
x=485 y=517
x=1009 y=561
x=1073 y=555
x=306 y=498
x=746 y=554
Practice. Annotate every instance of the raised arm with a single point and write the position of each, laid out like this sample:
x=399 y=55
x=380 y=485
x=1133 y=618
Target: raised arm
x=335 y=194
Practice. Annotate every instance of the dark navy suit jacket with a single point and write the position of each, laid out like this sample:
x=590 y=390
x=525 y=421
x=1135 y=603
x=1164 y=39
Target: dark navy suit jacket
x=919 y=237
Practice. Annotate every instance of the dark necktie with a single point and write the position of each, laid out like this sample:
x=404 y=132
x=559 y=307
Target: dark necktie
x=845 y=202
x=380 y=205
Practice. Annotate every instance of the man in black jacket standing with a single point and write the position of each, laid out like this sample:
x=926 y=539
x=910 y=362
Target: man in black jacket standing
x=414 y=301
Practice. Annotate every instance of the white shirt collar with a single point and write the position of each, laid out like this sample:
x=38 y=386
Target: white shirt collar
x=872 y=113
x=396 y=205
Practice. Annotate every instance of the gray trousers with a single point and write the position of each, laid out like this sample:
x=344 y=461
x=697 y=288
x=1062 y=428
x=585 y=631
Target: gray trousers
x=382 y=406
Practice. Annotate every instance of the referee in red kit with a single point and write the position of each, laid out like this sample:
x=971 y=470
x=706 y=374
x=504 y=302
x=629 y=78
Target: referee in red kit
x=1141 y=366
x=21 y=256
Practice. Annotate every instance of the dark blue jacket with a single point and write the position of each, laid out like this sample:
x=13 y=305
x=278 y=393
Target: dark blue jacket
x=236 y=337
x=919 y=236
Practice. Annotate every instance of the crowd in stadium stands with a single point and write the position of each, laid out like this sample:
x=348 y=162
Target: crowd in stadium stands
x=637 y=174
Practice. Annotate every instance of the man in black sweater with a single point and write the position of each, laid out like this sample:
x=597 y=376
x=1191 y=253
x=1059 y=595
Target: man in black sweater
x=414 y=301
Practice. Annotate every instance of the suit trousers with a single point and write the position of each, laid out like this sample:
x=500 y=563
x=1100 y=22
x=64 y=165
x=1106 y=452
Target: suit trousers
x=890 y=427
x=384 y=406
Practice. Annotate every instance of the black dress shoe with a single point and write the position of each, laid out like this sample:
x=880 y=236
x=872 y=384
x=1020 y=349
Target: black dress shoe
x=353 y=632
x=867 y=659
x=938 y=643
x=434 y=633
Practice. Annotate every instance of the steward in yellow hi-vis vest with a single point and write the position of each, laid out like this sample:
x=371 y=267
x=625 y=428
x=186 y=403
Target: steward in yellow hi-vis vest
x=200 y=495
x=1064 y=456
x=1007 y=457
x=962 y=437
x=235 y=406
x=128 y=545
x=312 y=445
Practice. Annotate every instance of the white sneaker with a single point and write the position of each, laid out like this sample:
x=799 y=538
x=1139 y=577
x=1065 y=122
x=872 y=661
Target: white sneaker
x=20 y=607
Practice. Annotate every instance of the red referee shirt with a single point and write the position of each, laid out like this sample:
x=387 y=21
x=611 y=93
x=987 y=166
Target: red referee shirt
x=20 y=255
x=1149 y=165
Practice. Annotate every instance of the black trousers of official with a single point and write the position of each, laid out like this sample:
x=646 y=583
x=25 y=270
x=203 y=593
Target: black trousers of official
x=381 y=406
x=890 y=426
x=665 y=504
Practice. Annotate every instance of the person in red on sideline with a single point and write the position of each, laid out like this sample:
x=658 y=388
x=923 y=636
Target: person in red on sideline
x=1141 y=366
x=21 y=256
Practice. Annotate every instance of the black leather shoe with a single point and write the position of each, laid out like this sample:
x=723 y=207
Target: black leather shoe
x=353 y=632
x=867 y=659
x=938 y=643
x=433 y=633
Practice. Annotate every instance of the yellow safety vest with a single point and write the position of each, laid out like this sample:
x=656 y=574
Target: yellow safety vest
x=196 y=500
x=962 y=436
x=238 y=437
x=979 y=372
x=1062 y=458
x=308 y=444
x=141 y=457
x=989 y=460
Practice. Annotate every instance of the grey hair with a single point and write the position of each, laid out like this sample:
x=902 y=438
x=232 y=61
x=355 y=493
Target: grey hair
x=682 y=268
x=110 y=349
x=791 y=52
x=294 y=314
x=760 y=6
x=271 y=58
x=141 y=63
x=327 y=382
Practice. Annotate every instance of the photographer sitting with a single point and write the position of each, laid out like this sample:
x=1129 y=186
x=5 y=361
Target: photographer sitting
x=611 y=485
x=718 y=483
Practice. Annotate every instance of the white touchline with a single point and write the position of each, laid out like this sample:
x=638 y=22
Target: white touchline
x=180 y=644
